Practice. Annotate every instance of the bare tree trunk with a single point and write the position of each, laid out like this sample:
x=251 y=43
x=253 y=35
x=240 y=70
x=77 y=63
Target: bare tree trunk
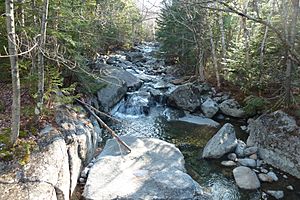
x=12 y=49
x=214 y=57
x=289 y=65
x=262 y=46
x=246 y=34
x=41 y=70
x=223 y=38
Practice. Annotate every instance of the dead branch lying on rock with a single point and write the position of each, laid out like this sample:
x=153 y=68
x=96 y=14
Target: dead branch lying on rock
x=118 y=139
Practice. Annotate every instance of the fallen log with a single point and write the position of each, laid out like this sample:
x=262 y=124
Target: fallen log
x=104 y=125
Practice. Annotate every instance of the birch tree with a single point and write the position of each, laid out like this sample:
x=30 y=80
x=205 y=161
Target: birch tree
x=12 y=50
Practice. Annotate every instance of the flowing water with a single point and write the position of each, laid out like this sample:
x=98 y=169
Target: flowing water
x=144 y=117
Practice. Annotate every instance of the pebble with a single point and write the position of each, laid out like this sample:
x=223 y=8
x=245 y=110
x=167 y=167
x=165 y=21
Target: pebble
x=81 y=180
x=277 y=194
x=253 y=156
x=247 y=162
x=228 y=163
x=285 y=176
x=85 y=172
x=290 y=187
x=250 y=150
x=265 y=178
x=263 y=170
x=232 y=156
x=273 y=176
x=243 y=128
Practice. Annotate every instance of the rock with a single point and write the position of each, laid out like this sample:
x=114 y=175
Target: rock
x=153 y=170
x=290 y=187
x=209 y=108
x=263 y=170
x=265 y=178
x=161 y=85
x=31 y=191
x=137 y=103
x=250 y=150
x=273 y=176
x=259 y=163
x=199 y=120
x=277 y=137
x=241 y=146
x=231 y=108
x=228 y=163
x=285 y=176
x=247 y=162
x=232 y=156
x=173 y=114
x=185 y=97
x=243 y=128
x=135 y=56
x=253 y=156
x=246 y=178
x=224 y=141
x=277 y=194
x=84 y=172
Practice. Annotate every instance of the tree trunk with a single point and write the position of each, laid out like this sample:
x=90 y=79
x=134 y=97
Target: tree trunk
x=246 y=35
x=289 y=64
x=41 y=65
x=12 y=49
x=214 y=57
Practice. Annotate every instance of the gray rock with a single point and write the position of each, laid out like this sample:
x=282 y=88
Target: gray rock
x=285 y=176
x=277 y=137
x=31 y=191
x=273 y=176
x=199 y=120
x=153 y=170
x=263 y=170
x=290 y=187
x=259 y=163
x=277 y=194
x=209 y=108
x=250 y=150
x=134 y=56
x=224 y=141
x=265 y=178
x=231 y=108
x=247 y=162
x=84 y=172
x=232 y=156
x=241 y=146
x=184 y=97
x=246 y=178
x=254 y=156
x=228 y=163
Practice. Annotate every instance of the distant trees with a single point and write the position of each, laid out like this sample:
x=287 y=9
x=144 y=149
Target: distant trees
x=247 y=42
x=54 y=42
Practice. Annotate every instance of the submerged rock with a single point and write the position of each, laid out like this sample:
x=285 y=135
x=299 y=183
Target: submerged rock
x=153 y=170
x=231 y=108
x=199 y=120
x=224 y=141
x=246 y=178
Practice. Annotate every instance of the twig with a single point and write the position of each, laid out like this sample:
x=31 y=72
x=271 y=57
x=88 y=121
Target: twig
x=118 y=139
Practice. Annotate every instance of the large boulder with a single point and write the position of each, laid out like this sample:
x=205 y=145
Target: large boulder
x=135 y=56
x=209 y=108
x=53 y=171
x=224 y=141
x=277 y=137
x=185 y=97
x=153 y=170
x=118 y=82
x=231 y=108
x=245 y=178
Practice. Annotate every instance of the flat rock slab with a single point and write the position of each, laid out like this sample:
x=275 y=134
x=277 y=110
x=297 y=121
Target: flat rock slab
x=153 y=170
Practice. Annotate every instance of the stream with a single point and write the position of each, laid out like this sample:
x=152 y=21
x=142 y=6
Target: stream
x=144 y=116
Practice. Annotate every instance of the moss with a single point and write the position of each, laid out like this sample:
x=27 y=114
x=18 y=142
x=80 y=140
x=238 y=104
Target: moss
x=255 y=105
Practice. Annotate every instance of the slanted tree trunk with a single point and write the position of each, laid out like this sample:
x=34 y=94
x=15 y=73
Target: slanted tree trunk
x=12 y=49
x=291 y=39
x=41 y=64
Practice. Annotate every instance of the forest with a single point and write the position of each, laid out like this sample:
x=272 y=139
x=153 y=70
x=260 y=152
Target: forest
x=50 y=51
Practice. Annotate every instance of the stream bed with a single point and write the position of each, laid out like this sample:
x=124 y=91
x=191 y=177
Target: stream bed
x=159 y=121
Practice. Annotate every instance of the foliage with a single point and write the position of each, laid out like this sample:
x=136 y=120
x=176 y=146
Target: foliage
x=255 y=105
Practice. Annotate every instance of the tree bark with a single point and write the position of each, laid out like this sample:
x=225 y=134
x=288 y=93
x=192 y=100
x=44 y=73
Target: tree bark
x=41 y=64
x=289 y=64
x=214 y=57
x=12 y=49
